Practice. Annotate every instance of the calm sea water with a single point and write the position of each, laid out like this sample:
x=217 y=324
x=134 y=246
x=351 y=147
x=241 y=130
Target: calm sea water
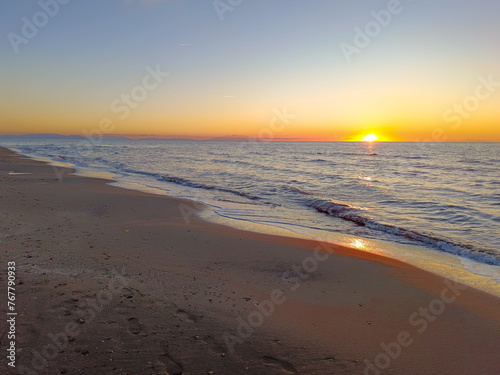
x=444 y=197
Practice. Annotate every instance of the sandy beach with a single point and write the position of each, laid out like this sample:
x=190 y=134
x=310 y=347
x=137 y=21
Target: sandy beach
x=115 y=281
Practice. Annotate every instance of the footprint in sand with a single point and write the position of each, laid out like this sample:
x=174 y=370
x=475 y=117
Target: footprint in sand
x=287 y=366
x=160 y=368
x=186 y=315
x=171 y=365
x=214 y=345
x=134 y=326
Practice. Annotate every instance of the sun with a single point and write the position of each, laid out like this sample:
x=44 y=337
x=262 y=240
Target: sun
x=369 y=138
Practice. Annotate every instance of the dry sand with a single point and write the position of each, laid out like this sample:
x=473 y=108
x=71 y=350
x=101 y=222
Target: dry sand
x=114 y=281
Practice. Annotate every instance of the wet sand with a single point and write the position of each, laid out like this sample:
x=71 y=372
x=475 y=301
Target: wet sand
x=115 y=281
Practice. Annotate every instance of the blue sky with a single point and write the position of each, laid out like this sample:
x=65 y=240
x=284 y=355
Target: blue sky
x=262 y=55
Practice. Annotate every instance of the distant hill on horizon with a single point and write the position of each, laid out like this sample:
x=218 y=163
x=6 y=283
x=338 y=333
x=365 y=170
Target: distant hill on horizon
x=41 y=136
x=228 y=138
x=46 y=136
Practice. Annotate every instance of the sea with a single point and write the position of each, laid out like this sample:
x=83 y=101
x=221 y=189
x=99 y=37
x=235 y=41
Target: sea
x=433 y=205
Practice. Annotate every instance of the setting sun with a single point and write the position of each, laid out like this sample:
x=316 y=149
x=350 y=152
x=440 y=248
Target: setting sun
x=369 y=138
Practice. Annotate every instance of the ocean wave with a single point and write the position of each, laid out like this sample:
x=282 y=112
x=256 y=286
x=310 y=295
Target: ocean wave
x=354 y=215
x=354 y=154
x=298 y=190
x=316 y=161
x=196 y=185
x=411 y=157
x=226 y=161
x=184 y=182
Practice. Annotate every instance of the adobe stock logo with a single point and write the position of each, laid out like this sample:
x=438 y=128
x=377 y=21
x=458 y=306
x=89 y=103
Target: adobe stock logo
x=31 y=26
x=460 y=111
x=422 y=319
x=372 y=29
x=122 y=107
x=221 y=7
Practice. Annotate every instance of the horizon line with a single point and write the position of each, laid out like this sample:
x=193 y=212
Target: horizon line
x=227 y=138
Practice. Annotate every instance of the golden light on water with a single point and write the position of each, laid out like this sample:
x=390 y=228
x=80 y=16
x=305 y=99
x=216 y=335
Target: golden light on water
x=358 y=244
x=369 y=138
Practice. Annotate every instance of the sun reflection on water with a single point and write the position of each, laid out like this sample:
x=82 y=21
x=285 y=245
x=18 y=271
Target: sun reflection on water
x=358 y=244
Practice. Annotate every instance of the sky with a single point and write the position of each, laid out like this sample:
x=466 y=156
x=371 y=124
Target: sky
x=332 y=70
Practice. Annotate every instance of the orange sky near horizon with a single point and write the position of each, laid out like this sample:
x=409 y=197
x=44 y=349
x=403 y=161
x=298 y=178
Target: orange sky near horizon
x=339 y=110
x=267 y=122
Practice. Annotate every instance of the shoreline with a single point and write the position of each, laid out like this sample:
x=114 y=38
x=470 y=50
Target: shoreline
x=189 y=287
x=464 y=270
